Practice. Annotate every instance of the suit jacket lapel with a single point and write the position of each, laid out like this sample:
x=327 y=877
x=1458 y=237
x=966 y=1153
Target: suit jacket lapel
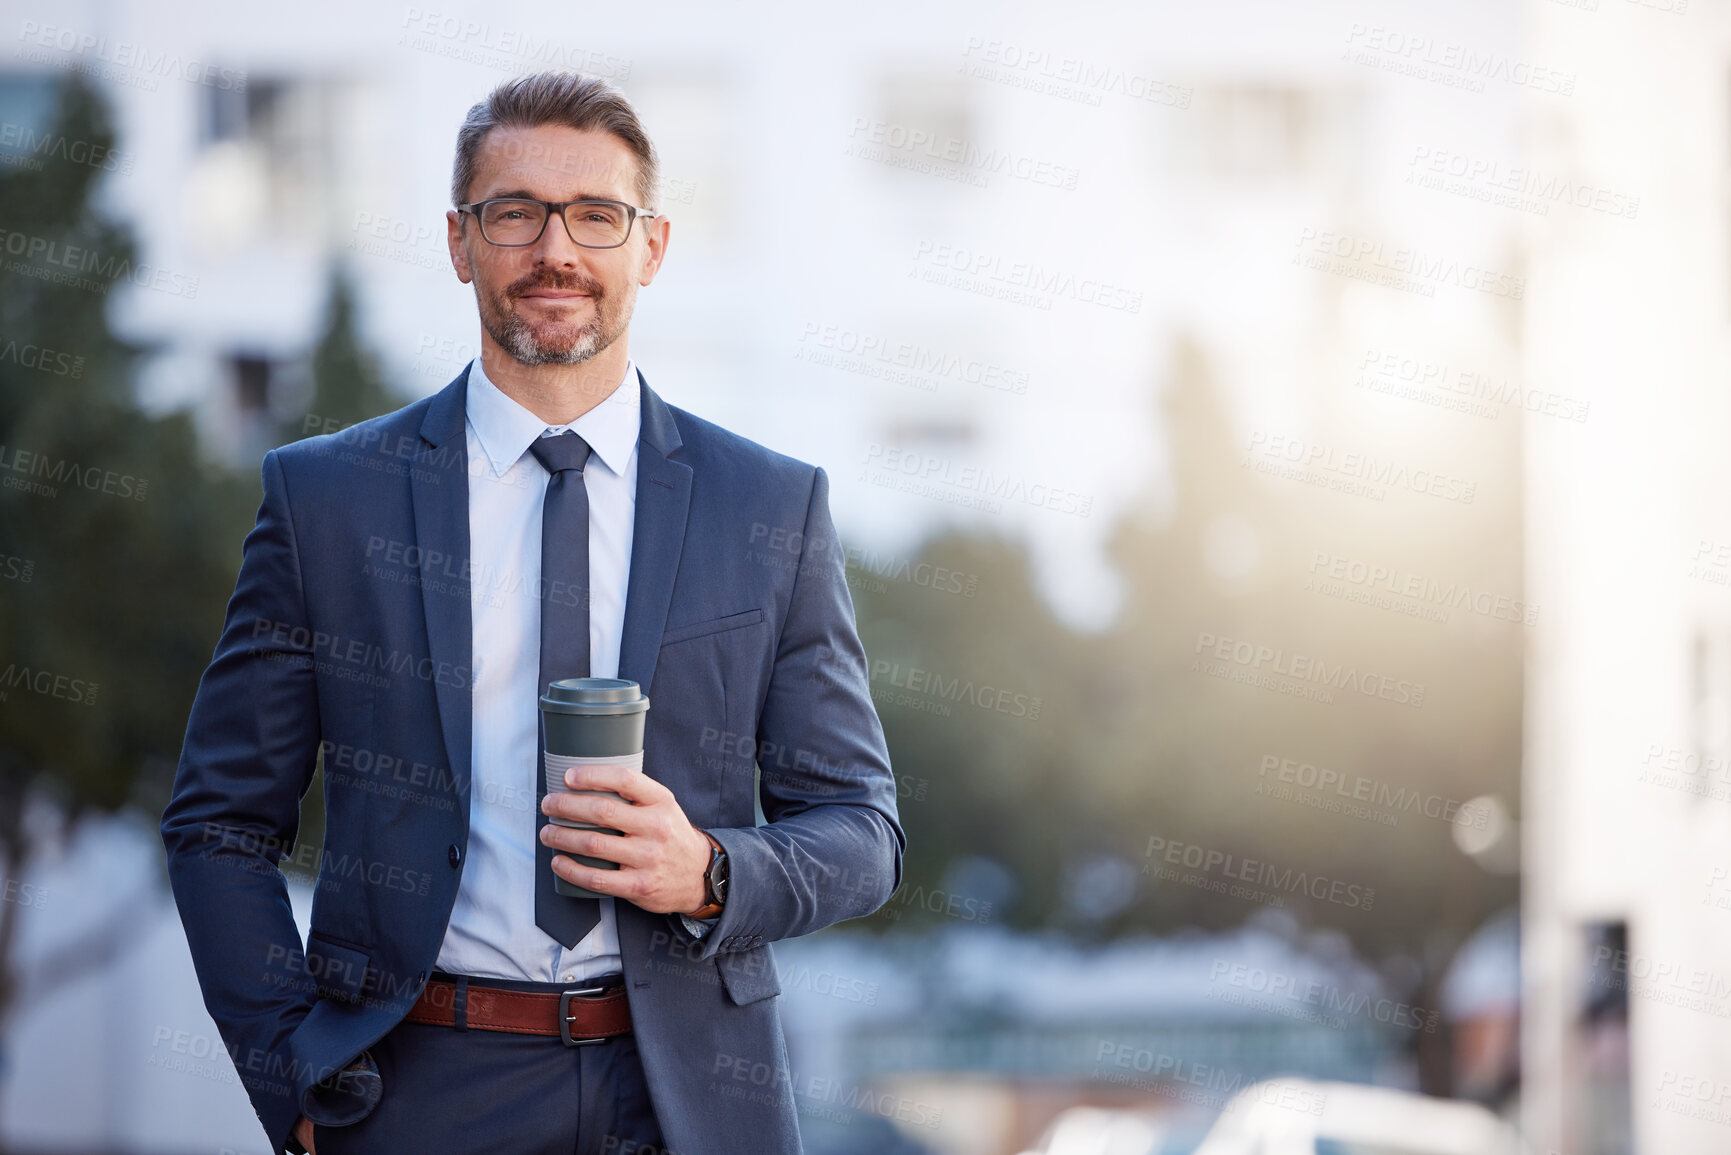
x=439 y=485
x=658 y=538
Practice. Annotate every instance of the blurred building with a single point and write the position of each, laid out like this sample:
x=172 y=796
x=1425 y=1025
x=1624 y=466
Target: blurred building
x=1627 y=812
x=950 y=258
x=940 y=254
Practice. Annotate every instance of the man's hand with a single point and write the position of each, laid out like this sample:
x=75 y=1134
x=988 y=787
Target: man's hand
x=304 y=1132
x=662 y=857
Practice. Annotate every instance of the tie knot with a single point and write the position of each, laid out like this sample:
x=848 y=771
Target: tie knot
x=560 y=452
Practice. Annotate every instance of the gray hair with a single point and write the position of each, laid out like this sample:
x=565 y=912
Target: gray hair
x=555 y=97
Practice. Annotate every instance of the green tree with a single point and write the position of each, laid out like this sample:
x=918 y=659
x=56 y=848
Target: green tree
x=347 y=384
x=1137 y=739
x=120 y=546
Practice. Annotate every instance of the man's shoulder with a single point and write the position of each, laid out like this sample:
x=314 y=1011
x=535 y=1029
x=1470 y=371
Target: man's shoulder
x=706 y=444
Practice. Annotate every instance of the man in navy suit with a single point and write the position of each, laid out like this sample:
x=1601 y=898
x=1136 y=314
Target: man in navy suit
x=409 y=588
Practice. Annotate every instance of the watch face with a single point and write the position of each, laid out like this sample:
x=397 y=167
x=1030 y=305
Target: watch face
x=718 y=877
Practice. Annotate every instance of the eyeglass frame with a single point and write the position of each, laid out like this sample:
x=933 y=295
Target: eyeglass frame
x=473 y=209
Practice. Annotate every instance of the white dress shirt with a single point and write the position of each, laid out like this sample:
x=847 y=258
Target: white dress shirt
x=492 y=931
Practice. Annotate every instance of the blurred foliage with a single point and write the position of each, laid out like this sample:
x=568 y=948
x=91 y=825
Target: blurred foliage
x=131 y=541
x=120 y=544
x=347 y=384
x=119 y=541
x=1135 y=742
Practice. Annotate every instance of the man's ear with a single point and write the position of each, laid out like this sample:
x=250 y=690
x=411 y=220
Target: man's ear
x=657 y=249
x=454 y=241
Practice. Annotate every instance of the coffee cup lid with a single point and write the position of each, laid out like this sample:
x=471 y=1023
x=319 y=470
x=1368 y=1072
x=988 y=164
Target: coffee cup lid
x=594 y=696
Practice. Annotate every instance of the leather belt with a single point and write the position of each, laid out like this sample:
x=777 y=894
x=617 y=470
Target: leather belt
x=580 y=1016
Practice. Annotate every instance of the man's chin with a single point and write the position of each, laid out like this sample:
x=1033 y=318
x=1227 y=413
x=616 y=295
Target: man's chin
x=555 y=350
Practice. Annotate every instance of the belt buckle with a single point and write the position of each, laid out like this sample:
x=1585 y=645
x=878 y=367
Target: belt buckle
x=565 y=998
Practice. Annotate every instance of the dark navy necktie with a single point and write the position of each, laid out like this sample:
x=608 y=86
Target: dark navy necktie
x=564 y=649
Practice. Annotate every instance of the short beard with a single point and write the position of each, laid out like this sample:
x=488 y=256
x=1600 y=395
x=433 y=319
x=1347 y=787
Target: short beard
x=513 y=334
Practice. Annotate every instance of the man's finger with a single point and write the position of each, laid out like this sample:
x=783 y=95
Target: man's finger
x=599 y=810
x=595 y=844
x=632 y=784
x=594 y=878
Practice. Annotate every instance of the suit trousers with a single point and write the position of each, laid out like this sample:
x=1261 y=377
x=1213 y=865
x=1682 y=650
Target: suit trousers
x=483 y=1092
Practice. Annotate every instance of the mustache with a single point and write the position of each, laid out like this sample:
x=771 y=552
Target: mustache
x=571 y=284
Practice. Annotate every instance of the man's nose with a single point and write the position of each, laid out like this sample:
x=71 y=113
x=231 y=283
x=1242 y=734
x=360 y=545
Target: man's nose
x=555 y=245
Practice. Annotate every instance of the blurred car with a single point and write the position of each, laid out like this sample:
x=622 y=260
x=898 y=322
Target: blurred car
x=1101 y=1131
x=1302 y=1117
x=1295 y=1117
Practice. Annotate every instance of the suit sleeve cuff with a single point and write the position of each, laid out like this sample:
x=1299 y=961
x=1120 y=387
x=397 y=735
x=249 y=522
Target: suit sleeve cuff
x=350 y=1098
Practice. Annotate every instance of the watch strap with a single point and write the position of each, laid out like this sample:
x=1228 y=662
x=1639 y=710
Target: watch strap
x=710 y=908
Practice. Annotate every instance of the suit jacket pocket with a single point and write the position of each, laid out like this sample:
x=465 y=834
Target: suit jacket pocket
x=749 y=975
x=712 y=626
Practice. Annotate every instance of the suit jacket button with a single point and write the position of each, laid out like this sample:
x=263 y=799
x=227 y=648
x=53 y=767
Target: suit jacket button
x=454 y=855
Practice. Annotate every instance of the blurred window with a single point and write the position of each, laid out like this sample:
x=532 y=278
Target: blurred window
x=1603 y=1116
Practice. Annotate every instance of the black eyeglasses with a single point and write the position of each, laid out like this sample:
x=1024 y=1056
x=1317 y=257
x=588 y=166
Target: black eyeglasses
x=517 y=221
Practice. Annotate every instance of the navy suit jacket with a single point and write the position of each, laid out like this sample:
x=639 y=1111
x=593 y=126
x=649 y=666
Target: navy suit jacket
x=348 y=635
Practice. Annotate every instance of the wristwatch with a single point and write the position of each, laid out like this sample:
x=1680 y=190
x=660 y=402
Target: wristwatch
x=714 y=881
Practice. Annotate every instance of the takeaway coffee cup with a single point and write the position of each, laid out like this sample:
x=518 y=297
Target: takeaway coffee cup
x=588 y=721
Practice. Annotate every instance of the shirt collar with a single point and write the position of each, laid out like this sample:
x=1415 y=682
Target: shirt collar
x=505 y=429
